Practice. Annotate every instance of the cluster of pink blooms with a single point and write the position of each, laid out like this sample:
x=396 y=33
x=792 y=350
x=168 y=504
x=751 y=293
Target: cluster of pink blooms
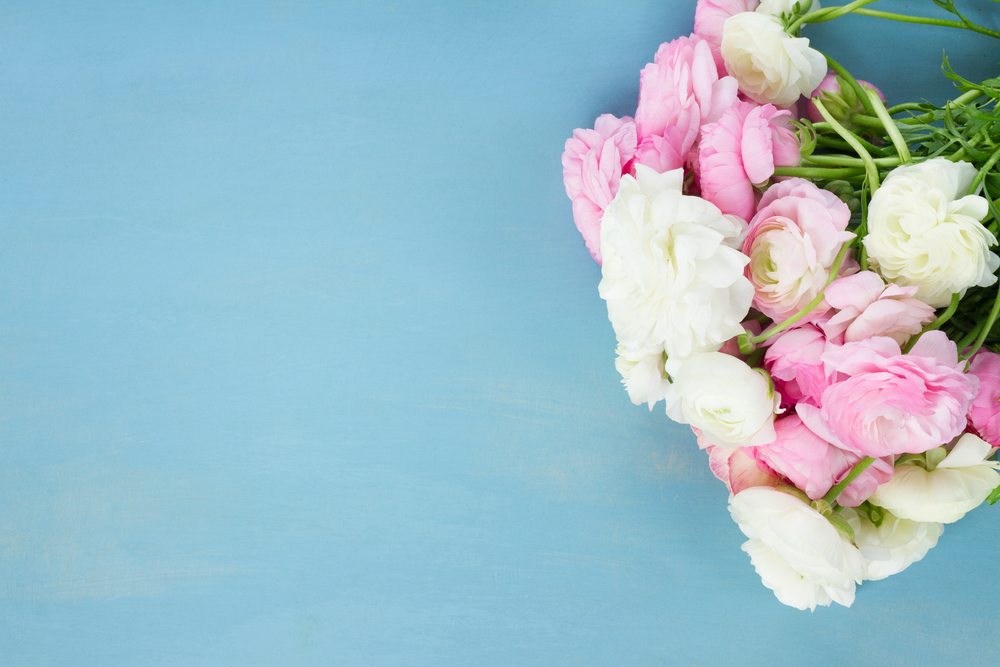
x=857 y=376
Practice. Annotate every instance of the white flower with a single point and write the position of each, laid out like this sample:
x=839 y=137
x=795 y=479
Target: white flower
x=798 y=554
x=732 y=404
x=672 y=276
x=784 y=7
x=923 y=230
x=938 y=486
x=643 y=375
x=770 y=66
x=893 y=546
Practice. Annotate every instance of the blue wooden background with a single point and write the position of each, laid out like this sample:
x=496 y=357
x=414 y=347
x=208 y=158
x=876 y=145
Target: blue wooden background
x=302 y=360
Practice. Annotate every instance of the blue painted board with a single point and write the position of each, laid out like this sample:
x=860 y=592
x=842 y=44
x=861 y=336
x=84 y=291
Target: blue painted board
x=302 y=360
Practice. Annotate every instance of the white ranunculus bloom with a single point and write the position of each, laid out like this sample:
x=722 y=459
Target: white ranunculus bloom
x=672 y=276
x=733 y=404
x=643 y=375
x=893 y=546
x=780 y=7
x=938 y=486
x=770 y=66
x=798 y=554
x=924 y=230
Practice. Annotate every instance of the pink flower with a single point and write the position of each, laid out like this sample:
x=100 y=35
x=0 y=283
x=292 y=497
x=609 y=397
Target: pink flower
x=795 y=363
x=868 y=307
x=985 y=411
x=737 y=468
x=841 y=103
x=792 y=243
x=593 y=163
x=893 y=403
x=678 y=93
x=709 y=18
x=742 y=150
x=814 y=465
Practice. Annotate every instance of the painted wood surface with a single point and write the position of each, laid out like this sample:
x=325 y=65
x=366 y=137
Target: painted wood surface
x=302 y=360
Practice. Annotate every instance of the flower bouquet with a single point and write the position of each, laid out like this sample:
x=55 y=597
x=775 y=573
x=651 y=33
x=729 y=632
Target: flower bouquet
x=806 y=276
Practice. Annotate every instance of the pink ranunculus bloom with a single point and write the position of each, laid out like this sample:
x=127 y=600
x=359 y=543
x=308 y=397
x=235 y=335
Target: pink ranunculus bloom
x=670 y=151
x=709 y=18
x=795 y=363
x=840 y=104
x=868 y=307
x=893 y=403
x=814 y=465
x=737 y=468
x=985 y=411
x=593 y=163
x=792 y=243
x=742 y=150
x=681 y=88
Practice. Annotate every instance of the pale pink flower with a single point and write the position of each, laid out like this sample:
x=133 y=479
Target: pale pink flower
x=868 y=307
x=840 y=103
x=814 y=465
x=678 y=93
x=893 y=403
x=795 y=362
x=792 y=243
x=593 y=163
x=985 y=411
x=741 y=151
x=737 y=468
x=709 y=18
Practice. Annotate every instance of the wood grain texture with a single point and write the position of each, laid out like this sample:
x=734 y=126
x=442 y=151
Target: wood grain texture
x=302 y=360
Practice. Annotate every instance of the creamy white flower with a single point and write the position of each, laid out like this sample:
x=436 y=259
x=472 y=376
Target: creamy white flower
x=798 y=554
x=893 y=546
x=924 y=230
x=643 y=375
x=784 y=7
x=672 y=276
x=770 y=66
x=733 y=404
x=938 y=486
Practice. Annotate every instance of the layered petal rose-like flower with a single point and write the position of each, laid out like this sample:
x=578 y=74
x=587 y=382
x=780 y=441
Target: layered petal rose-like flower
x=923 y=230
x=710 y=18
x=894 y=545
x=737 y=468
x=672 y=276
x=798 y=554
x=792 y=243
x=770 y=66
x=593 y=164
x=814 y=465
x=740 y=151
x=643 y=375
x=941 y=486
x=678 y=92
x=868 y=307
x=731 y=403
x=795 y=362
x=893 y=403
x=985 y=411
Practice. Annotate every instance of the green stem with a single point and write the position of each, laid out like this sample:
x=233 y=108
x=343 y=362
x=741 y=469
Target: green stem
x=809 y=307
x=968 y=337
x=828 y=14
x=858 y=90
x=817 y=172
x=982 y=172
x=839 y=161
x=890 y=126
x=994 y=313
x=870 y=169
x=906 y=106
x=859 y=467
x=927 y=21
x=936 y=324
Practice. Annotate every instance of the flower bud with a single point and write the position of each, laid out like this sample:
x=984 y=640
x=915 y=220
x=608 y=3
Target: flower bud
x=840 y=100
